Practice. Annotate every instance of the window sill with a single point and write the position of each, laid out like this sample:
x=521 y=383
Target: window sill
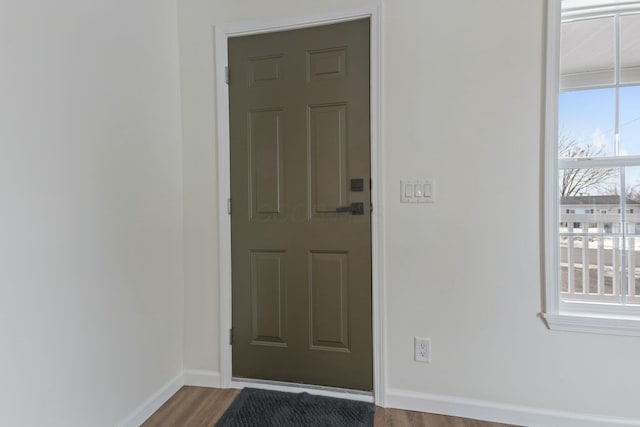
x=594 y=323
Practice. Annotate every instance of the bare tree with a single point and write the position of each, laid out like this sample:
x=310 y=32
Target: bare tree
x=632 y=192
x=579 y=182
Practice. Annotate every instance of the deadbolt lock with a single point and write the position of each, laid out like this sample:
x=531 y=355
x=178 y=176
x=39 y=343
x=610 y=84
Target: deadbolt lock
x=357 y=185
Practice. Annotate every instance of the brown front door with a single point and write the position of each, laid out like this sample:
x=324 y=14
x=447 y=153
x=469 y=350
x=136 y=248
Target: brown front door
x=300 y=190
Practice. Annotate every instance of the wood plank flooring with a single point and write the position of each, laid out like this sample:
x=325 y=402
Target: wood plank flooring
x=203 y=407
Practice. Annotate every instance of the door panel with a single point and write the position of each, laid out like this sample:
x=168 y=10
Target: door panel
x=265 y=162
x=329 y=301
x=264 y=70
x=327 y=64
x=299 y=122
x=328 y=148
x=268 y=302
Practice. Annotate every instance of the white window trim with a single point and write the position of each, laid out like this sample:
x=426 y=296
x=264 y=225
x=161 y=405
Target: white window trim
x=597 y=7
x=600 y=318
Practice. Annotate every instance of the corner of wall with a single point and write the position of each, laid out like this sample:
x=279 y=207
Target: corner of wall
x=198 y=378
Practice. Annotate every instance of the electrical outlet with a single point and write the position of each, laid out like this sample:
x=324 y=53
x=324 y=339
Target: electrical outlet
x=422 y=349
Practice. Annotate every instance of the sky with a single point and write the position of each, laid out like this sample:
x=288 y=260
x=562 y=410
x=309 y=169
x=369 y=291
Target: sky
x=589 y=116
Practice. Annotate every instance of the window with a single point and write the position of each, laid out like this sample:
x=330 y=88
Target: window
x=592 y=182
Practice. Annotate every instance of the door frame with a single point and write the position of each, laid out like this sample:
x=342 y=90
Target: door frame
x=223 y=32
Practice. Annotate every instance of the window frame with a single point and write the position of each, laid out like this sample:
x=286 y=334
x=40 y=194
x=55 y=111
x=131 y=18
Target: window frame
x=575 y=316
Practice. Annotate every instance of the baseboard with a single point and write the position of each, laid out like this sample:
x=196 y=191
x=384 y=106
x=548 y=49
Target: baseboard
x=153 y=403
x=400 y=399
x=497 y=412
x=202 y=378
x=191 y=377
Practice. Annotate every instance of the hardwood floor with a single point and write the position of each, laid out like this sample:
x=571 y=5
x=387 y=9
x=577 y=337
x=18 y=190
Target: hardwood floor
x=193 y=406
x=201 y=406
x=398 y=418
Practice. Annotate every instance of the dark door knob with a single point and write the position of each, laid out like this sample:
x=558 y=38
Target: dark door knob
x=354 y=208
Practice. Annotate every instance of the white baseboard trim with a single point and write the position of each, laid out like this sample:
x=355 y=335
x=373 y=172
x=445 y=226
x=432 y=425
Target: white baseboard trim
x=188 y=377
x=497 y=412
x=202 y=378
x=153 y=403
x=394 y=398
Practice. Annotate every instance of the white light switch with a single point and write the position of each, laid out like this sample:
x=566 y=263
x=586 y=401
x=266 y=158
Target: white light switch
x=419 y=190
x=408 y=190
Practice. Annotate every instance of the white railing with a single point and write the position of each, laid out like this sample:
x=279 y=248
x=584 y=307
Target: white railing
x=598 y=262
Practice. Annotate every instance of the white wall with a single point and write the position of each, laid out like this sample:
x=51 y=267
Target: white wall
x=91 y=294
x=463 y=82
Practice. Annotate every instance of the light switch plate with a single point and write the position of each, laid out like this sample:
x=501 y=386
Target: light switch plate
x=420 y=190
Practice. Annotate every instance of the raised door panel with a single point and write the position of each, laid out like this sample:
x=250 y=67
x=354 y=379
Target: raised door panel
x=268 y=298
x=328 y=161
x=265 y=69
x=328 y=301
x=266 y=163
x=327 y=64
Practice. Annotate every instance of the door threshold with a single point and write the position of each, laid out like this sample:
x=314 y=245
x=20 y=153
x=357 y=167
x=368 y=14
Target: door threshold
x=341 y=393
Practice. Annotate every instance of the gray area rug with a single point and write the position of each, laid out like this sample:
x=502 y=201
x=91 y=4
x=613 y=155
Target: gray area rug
x=253 y=408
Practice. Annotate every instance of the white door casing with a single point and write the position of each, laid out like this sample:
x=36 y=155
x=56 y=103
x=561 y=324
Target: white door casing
x=373 y=11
